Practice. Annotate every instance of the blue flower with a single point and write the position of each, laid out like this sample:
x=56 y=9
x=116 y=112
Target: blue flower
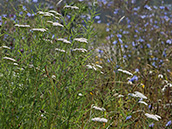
x=35 y=1
x=134 y=78
x=168 y=123
x=97 y=17
x=148 y=7
x=119 y=35
x=151 y=125
x=128 y=117
x=148 y=45
x=115 y=42
x=169 y=41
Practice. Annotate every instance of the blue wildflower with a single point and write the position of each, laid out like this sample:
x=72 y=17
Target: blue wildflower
x=151 y=125
x=97 y=17
x=134 y=78
x=115 y=42
x=169 y=41
x=128 y=117
x=168 y=123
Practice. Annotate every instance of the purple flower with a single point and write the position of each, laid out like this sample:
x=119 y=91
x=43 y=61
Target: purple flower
x=119 y=35
x=148 y=7
x=115 y=42
x=136 y=70
x=169 y=41
x=116 y=11
x=97 y=17
x=128 y=117
x=99 y=21
x=134 y=78
x=148 y=45
x=151 y=125
x=35 y=1
x=168 y=123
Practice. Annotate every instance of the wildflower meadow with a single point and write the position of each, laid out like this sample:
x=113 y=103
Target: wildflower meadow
x=85 y=64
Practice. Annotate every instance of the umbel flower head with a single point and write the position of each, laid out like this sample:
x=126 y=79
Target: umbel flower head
x=98 y=108
x=10 y=59
x=98 y=119
x=70 y=7
x=22 y=26
x=154 y=117
x=138 y=94
x=64 y=40
x=82 y=40
x=80 y=50
x=39 y=29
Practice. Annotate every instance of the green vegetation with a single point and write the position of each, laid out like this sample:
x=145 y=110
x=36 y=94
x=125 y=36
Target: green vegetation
x=66 y=69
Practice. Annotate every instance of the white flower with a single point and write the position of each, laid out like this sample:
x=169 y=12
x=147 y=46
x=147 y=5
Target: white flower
x=15 y=64
x=99 y=66
x=140 y=95
x=60 y=50
x=22 y=26
x=39 y=29
x=53 y=77
x=98 y=108
x=80 y=94
x=72 y=7
x=137 y=94
x=54 y=12
x=80 y=49
x=57 y=24
x=89 y=66
x=104 y=120
x=120 y=96
x=50 y=22
x=129 y=82
x=125 y=71
x=45 y=14
x=6 y=47
x=160 y=76
x=143 y=102
x=47 y=40
x=64 y=40
x=83 y=40
x=154 y=117
x=8 y=58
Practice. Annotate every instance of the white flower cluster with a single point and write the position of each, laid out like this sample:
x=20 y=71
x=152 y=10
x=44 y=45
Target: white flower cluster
x=98 y=119
x=154 y=117
x=60 y=50
x=98 y=108
x=166 y=86
x=82 y=40
x=93 y=66
x=39 y=29
x=64 y=40
x=125 y=71
x=70 y=7
x=80 y=50
x=55 y=23
x=22 y=26
x=54 y=12
x=5 y=47
x=10 y=59
x=138 y=94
